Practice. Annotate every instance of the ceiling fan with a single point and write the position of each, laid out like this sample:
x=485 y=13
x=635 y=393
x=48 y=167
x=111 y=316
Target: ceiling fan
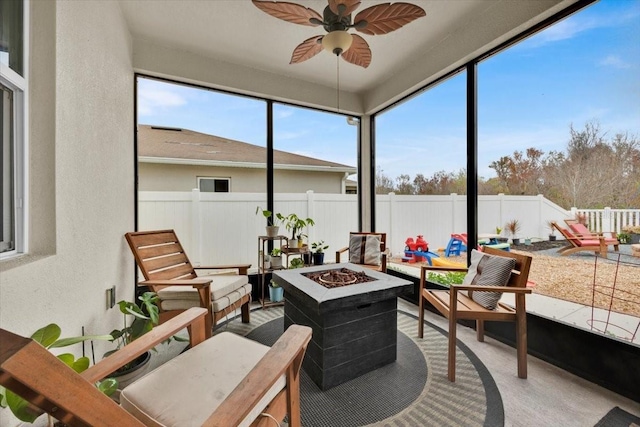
x=336 y=20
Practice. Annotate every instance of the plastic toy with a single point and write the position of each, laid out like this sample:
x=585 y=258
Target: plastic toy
x=419 y=245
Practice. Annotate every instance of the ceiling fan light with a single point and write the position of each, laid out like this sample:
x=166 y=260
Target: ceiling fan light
x=337 y=41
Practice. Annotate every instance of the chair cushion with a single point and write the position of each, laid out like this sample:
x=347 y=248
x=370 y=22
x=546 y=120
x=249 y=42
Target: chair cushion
x=225 y=290
x=205 y=374
x=489 y=271
x=365 y=249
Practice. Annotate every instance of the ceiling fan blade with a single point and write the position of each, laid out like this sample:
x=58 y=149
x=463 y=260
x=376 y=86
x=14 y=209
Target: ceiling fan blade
x=350 y=6
x=385 y=18
x=359 y=52
x=307 y=49
x=289 y=12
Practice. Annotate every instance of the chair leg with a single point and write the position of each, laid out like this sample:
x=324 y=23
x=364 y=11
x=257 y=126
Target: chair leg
x=480 y=330
x=451 y=369
x=245 y=312
x=521 y=339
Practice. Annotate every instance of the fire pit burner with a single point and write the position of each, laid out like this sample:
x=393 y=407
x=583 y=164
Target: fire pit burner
x=336 y=278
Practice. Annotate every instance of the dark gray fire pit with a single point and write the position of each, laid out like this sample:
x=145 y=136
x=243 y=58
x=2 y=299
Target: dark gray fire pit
x=354 y=326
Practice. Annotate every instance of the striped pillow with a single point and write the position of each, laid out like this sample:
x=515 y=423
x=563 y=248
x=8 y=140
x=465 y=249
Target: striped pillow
x=364 y=249
x=489 y=271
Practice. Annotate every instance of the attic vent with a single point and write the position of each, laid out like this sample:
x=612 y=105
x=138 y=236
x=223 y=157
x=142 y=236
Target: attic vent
x=165 y=128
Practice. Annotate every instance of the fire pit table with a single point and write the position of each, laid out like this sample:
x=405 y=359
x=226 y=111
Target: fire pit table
x=354 y=324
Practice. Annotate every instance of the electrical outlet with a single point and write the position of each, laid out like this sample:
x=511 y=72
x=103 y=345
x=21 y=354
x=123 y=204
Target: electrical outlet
x=111 y=297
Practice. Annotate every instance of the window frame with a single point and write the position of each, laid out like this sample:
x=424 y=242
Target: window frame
x=19 y=85
x=214 y=178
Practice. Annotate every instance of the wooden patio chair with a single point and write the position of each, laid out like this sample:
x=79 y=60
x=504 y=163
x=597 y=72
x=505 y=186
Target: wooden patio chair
x=596 y=244
x=367 y=249
x=581 y=231
x=456 y=305
x=225 y=391
x=168 y=272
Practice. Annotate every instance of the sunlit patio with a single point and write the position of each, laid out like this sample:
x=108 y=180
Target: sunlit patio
x=77 y=80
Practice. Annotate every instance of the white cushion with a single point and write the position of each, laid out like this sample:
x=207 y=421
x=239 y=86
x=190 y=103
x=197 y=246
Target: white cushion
x=183 y=297
x=186 y=390
x=365 y=249
x=488 y=270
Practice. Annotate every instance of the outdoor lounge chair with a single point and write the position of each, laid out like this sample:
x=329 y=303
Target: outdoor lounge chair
x=455 y=305
x=581 y=231
x=597 y=244
x=168 y=272
x=241 y=381
x=366 y=249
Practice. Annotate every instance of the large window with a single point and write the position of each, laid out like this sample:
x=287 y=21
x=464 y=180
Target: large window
x=13 y=83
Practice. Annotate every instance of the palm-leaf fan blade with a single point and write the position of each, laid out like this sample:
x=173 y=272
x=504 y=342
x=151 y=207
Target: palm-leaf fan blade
x=359 y=53
x=387 y=17
x=289 y=12
x=307 y=49
x=349 y=5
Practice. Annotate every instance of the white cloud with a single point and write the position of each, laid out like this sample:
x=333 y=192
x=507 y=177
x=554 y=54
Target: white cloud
x=151 y=100
x=282 y=113
x=614 y=61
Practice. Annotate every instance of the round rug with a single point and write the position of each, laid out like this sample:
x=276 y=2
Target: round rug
x=413 y=391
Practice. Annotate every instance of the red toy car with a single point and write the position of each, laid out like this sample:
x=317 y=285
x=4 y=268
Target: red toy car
x=420 y=245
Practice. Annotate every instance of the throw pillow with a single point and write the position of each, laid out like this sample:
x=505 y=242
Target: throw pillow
x=490 y=271
x=364 y=249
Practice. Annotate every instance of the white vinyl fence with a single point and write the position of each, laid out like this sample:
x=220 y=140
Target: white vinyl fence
x=607 y=219
x=222 y=228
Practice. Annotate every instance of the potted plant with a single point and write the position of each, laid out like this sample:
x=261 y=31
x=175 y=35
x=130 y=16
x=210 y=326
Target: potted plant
x=276 y=293
x=295 y=224
x=634 y=234
x=552 y=230
x=624 y=237
x=145 y=317
x=276 y=258
x=318 y=249
x=49 y=338
x=296 y=263
x=273 y=221
x=499 y=238
x=513 y=227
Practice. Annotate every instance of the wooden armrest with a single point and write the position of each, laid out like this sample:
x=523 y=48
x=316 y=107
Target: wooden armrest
x=198 y=282
x=343 y=249
x=287 y=350
x=242 y=268
x=511 y=289
x=193 y=317
x=439 y=268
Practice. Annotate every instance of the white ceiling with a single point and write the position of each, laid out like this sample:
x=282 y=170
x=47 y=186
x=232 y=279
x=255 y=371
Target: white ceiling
x=242 y=37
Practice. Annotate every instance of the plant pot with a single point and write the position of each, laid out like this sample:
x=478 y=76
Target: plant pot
x=318 y=258
x=634 y=238
x=276 y=262
x=140 y=367
x=293 y=243
x=527 y=242
x=502 y=239
x=272 y=230
x=515 y=241
x=552 y=237
x=306 y=258
x=276 y=294
x=300 y=243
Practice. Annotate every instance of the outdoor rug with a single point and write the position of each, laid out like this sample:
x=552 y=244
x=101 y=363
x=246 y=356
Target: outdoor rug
x=413 y=391
x=618 y=418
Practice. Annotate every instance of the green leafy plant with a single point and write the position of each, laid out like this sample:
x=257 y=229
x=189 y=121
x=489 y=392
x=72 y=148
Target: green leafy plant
x=273 y=284
x=276 y=252
x=294 y=224
x=446 y=279
x=49 y=338
x=275 y=220
x=319 y=247
x=498 y=230
x=297 y=263
x=624 y=237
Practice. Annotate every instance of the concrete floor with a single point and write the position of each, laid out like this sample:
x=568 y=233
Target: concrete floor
x=548 y=397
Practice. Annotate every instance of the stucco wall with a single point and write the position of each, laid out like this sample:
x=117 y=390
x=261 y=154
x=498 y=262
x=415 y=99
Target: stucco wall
x=84 y=124
x=165 y=177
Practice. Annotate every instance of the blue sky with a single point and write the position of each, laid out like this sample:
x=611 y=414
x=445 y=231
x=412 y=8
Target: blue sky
x=584 y=68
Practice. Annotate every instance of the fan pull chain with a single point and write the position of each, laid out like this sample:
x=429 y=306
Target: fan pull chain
x=338 y=78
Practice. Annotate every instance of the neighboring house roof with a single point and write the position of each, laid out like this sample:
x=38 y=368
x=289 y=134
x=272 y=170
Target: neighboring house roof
x=157 y=144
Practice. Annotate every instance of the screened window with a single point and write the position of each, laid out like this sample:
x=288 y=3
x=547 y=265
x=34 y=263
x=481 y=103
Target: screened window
x=214 y=185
